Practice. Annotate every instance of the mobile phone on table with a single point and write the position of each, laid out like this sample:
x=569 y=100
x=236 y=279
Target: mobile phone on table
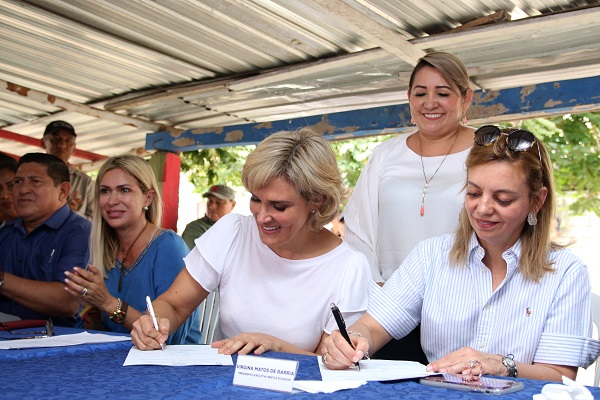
x=483 y=385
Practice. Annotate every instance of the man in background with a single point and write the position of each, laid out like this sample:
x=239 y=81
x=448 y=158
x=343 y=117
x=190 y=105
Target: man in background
x=221 y=200
x=59 y=140
x=8 y=169
x=46 y=239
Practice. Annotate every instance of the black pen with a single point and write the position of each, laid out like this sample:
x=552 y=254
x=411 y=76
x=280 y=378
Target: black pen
x=342 y=327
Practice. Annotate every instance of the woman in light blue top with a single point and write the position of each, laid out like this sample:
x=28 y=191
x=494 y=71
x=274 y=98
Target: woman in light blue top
x=498 y=297
x=131 y=255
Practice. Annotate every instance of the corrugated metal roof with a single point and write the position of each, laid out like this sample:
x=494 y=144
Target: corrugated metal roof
x=208 y=63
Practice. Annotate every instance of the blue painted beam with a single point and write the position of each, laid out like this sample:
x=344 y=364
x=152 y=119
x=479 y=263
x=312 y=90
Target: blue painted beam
x=541 y=100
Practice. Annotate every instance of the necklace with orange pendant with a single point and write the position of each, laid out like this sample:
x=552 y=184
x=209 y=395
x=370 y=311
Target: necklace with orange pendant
x=426 y=186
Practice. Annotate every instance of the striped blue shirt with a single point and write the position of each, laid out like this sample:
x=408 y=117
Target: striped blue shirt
x=546 y=322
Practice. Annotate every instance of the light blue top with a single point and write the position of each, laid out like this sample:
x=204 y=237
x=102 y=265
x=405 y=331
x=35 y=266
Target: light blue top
x=152 y=274
x=546 y=322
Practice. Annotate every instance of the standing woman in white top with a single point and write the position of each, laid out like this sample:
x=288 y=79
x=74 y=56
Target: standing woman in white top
x=278 y=270
x=498 y=296
x=411 y=189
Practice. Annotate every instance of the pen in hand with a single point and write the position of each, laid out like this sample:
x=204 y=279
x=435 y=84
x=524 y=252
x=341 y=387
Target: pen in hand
x=339 y=319
x=153 y=316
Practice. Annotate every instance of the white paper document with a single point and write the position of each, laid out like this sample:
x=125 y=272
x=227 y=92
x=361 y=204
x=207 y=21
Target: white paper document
x=376 y=370
x=62 y=340
x=178 y=355
x=326 y=386
x=370 y=370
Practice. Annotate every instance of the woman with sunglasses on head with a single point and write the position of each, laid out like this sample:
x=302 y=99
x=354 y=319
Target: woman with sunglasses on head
x=498 y=296
x=411 y=188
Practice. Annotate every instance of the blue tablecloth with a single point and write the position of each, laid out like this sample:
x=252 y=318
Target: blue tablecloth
x=61 y=351
x=97 y=371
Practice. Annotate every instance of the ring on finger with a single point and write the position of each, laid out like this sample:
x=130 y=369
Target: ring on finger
x=325 y=358
x=84 y=291
x=473 y=364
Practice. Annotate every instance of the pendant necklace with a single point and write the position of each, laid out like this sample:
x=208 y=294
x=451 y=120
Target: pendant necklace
x=125 y=251
x=422 y=212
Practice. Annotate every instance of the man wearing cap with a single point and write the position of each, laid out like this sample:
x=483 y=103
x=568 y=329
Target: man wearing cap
x=221 y=200
x=59 y=140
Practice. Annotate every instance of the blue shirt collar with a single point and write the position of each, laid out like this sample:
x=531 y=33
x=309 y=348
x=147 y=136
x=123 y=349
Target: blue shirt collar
x=53 y=222
x=474 y=246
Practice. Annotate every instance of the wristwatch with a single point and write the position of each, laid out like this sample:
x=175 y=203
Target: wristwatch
x=120 y=312
x=509 y=363
x=1 y=278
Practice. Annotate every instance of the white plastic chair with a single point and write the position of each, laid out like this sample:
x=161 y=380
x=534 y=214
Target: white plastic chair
x=209 y=317
x=596 y=320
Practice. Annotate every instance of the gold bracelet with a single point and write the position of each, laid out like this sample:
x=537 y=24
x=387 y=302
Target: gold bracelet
x=366 y=355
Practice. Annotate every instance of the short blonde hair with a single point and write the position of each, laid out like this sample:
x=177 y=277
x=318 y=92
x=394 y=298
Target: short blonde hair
x=303 y=158
x=104 y=242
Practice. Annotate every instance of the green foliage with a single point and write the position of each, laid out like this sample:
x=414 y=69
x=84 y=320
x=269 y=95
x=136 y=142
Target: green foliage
x=573 y=142
x=208 y=167
x=353 y=154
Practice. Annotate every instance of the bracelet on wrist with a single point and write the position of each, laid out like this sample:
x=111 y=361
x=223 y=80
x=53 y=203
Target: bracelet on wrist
x=366 y=355
x=118 y=316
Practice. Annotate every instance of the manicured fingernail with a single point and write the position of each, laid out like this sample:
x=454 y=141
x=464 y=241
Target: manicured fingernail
x=428 y=368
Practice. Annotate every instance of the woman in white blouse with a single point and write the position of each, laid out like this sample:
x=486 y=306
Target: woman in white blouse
x=278 y=270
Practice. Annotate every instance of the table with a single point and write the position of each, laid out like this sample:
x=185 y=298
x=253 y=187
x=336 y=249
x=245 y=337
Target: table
x=96 y=371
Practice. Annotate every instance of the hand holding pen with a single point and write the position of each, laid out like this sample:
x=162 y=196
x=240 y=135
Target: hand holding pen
x=339 y=319
x=153 y=316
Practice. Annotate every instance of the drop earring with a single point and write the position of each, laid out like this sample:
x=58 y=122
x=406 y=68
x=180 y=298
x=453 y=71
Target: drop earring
x=464 y=119
x=412 y=120
x=531 y=219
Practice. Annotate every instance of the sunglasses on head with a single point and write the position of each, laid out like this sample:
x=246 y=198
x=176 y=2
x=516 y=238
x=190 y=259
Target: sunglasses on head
x=516 y=140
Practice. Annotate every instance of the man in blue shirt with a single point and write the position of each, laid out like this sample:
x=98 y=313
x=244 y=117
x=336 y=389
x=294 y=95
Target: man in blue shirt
x=45 y=240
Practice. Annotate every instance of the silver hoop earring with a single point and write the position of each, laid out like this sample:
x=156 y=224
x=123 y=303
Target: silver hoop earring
x=531 y=219
x=145 y=208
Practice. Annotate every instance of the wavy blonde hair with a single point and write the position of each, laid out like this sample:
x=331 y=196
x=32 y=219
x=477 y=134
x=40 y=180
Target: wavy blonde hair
x=303 y=158
x=104 y=242
x=536 y=240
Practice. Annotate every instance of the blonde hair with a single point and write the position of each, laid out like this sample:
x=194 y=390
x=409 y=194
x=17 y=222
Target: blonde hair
x=104 y=242
x=450 y=66
x=303 y=158
x=536 y=240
